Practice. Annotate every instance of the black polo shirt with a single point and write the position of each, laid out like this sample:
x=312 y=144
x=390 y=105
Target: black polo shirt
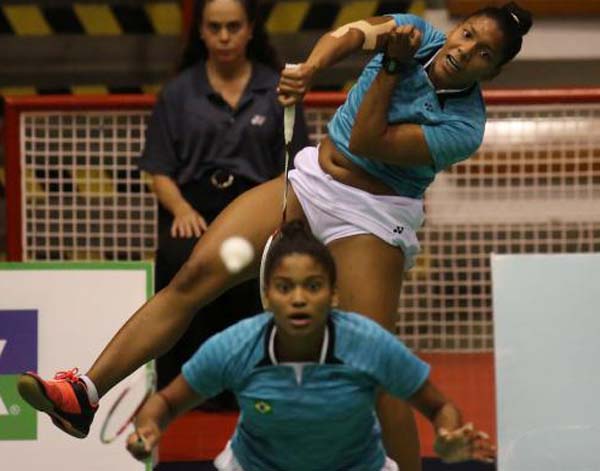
x=193 y=131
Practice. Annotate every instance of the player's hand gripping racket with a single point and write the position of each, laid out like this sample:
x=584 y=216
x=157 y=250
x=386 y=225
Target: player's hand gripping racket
x=289 y=118
x=124 y=410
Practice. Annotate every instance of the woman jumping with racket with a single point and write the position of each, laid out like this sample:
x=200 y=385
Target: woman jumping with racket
x=415 y=110
x=306 y=377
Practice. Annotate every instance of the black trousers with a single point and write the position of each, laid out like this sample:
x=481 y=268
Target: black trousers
x=238 y=303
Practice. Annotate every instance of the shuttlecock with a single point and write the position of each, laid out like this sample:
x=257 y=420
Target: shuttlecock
x=236 y=253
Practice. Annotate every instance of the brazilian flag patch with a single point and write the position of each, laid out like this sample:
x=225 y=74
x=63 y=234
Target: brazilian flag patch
x=263 y=407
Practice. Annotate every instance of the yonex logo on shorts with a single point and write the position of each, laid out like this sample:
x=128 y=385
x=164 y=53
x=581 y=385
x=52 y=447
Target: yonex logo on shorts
x=18 y=353
x=398 y=230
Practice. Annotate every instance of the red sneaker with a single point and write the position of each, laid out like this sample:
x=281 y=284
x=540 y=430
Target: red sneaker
x=64 y=399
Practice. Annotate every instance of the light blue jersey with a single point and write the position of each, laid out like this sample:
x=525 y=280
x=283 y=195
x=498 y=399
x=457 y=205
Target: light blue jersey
x=312 y=416
x=453 y=122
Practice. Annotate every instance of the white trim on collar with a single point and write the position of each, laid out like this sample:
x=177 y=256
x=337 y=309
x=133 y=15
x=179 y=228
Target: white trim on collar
x=428 y=63
x=445 y=90
x=324 y=346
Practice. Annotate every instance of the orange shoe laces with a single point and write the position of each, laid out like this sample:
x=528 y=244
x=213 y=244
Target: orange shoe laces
x=69 y=375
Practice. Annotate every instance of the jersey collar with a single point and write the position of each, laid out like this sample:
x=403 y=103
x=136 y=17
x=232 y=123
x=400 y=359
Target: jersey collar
x=427 y=61
x=327 y=355
x=324 y=346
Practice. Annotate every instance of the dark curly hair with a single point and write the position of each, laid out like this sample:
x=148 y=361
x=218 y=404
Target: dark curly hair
x=259 y=48
x=296 y=238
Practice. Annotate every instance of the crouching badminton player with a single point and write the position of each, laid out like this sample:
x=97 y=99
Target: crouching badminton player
x=306 y=376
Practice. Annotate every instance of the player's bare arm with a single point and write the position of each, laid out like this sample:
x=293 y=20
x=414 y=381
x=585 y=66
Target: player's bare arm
x=454 y=441
x=372 y=136
x=369 y=35
x=158 y=412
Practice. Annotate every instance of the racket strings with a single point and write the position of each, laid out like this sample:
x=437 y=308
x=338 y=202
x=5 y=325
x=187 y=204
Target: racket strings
x=124 y=410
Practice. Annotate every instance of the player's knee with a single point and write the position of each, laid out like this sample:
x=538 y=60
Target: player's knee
x=196 y=270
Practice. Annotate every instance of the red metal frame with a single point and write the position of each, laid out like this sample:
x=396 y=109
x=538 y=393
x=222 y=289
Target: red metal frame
x=14 y=106
x=14 y=232
x=542 y=96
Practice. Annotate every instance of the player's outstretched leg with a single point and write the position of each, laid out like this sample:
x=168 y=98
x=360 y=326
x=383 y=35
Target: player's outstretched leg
x=159 y=323
x=63 y=398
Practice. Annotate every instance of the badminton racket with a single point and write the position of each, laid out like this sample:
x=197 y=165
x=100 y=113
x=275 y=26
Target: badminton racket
x=289 y=118
x=124 y=410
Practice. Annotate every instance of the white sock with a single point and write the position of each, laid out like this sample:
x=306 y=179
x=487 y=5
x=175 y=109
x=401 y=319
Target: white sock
x=91 y=390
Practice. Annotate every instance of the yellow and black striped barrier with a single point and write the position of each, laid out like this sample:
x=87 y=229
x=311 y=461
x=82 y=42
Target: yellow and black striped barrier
x=161 y=18
x=300 y=16
x=165 y=18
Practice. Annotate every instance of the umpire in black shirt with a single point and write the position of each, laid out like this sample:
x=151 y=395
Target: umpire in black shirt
x=215 y=132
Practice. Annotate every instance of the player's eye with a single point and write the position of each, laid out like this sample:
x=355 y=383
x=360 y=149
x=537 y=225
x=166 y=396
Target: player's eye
x=314 y=286
x=283 y=286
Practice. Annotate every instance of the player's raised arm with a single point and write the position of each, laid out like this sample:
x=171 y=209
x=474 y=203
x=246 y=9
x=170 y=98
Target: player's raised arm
x=369 y=35
x=158 y=412
x=372 y=135
x=454 y=440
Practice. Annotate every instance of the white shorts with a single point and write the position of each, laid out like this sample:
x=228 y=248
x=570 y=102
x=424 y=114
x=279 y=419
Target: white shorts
x=335 y=210
x=226 y=461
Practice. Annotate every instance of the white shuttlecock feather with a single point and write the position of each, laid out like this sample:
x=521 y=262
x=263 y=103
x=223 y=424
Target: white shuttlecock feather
x=236 y=253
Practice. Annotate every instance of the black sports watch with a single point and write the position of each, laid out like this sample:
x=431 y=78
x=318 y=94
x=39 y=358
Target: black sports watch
x=391 y=65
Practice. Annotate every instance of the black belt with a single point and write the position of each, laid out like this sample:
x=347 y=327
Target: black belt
x=221 y=178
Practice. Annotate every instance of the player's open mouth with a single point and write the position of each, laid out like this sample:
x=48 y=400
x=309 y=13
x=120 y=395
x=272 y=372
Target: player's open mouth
x=300 y=319
x=451 y=61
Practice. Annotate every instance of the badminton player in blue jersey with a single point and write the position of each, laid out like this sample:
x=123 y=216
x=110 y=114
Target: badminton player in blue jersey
x=306 y=376
x=416 y=109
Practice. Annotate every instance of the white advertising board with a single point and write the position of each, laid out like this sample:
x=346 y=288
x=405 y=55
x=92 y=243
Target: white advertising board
x=547 y=349
x=56 y=316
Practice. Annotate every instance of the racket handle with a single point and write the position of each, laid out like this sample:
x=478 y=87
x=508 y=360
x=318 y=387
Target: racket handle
x=289 y=115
